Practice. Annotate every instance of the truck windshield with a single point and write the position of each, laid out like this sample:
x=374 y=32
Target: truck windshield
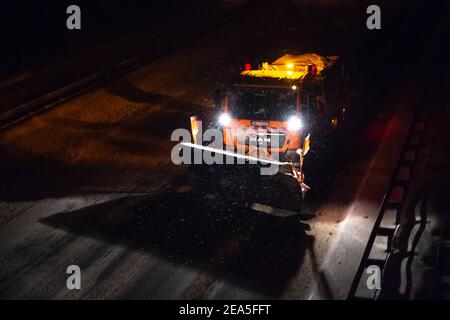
x=262 y=103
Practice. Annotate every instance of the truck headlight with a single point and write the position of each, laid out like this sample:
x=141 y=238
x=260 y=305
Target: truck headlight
x=224 y=119
x=295 y=123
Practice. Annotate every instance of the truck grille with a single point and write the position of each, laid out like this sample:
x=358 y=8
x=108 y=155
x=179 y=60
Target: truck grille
x=269 y=140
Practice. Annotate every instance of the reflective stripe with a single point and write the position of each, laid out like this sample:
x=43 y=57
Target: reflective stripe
x=232 y=154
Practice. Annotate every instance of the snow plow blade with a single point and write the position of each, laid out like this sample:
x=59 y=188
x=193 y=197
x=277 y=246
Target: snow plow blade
x=288 y=186
x=233 y=154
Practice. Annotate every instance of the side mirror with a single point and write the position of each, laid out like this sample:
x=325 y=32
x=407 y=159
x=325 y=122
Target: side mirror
x=306 y=144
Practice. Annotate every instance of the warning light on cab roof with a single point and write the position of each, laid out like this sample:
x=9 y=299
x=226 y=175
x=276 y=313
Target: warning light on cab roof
x=293 y=67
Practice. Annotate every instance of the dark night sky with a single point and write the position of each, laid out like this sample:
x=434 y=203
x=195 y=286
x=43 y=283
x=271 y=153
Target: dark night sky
x=34 y=31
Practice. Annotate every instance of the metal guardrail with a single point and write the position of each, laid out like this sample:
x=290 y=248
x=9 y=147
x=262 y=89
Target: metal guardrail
x=391 y=200
x=56 y=97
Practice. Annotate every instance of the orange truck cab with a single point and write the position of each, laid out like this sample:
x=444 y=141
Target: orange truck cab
x=273 y=108
x=264 y=117
x=267 y=108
